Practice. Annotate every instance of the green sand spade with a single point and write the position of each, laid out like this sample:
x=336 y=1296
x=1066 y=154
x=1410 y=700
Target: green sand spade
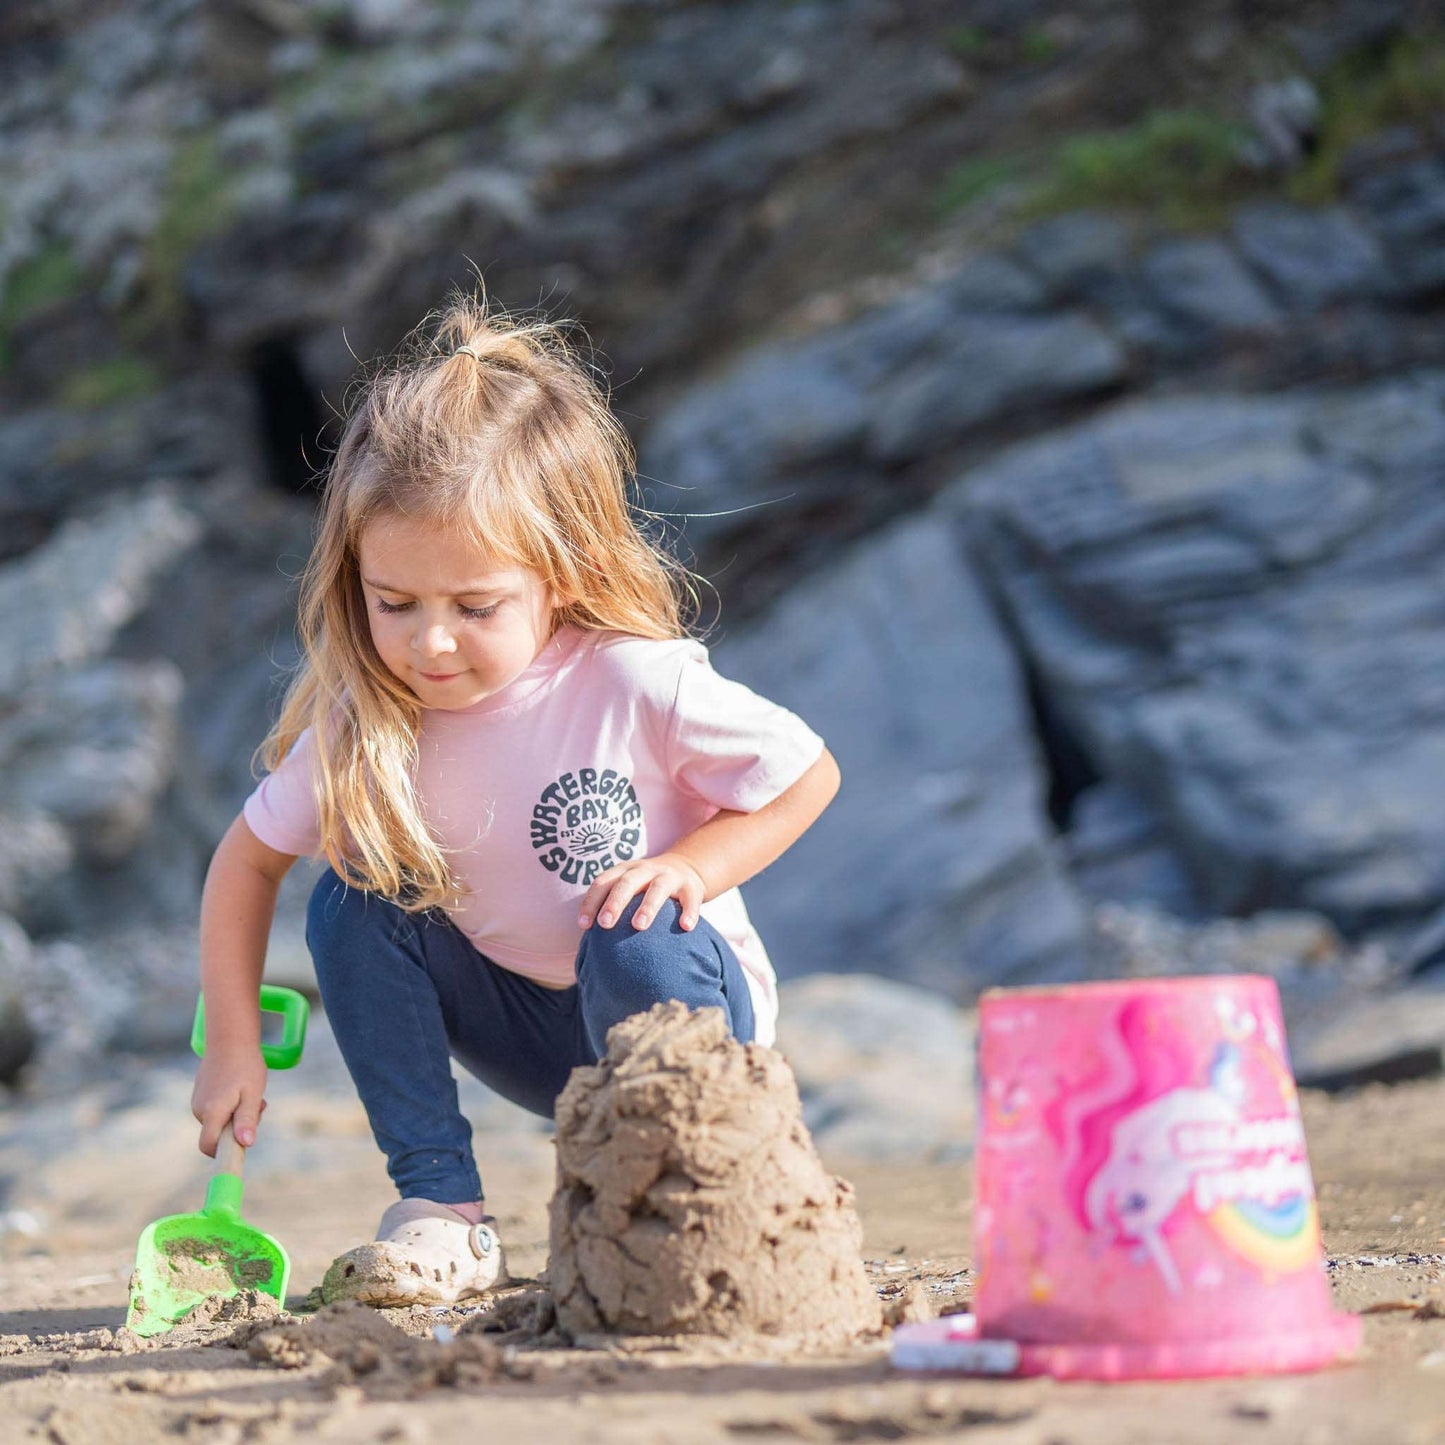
x=185 y=1258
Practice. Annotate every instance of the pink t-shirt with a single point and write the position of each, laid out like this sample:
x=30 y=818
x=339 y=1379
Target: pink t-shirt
x=606 y=748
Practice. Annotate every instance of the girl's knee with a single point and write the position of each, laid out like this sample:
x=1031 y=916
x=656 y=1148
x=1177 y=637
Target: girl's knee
x=623 y=970
x=622 y=937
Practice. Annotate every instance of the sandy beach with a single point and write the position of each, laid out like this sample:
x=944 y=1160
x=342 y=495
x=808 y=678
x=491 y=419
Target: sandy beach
x=100 y=1165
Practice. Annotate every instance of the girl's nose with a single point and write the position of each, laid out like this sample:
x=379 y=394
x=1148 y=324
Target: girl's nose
x=433 y=640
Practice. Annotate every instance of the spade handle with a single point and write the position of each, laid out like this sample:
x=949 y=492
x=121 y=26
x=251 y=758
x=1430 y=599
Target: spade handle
x=230 y=1154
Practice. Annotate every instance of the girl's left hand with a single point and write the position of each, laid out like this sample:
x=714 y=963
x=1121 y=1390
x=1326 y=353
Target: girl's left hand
x=667 y=875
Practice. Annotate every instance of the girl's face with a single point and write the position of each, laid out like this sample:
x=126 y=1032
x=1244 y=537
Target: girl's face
x=452 y=623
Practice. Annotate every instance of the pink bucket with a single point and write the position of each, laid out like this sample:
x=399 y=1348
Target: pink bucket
x=1144 y=1202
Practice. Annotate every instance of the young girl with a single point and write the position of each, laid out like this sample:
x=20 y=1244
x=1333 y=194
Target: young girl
x=536 y=796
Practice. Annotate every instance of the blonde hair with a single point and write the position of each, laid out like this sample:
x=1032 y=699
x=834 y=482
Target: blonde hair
x=494 y=426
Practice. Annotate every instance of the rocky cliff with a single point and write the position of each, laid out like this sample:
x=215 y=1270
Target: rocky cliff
x=1055 y=392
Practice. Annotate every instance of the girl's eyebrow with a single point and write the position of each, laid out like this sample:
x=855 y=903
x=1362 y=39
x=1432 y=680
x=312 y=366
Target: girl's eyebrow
x=478 y=590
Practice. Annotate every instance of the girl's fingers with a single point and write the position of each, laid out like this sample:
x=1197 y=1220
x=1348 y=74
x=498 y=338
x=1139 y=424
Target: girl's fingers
x=658 y=892
x=618 y=899
x=689 y=898
x=211 y=1136
x=593 y=899
x=612 y=891
x=244 y=1121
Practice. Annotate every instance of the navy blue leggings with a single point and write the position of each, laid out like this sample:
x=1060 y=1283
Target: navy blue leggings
x=405 y=992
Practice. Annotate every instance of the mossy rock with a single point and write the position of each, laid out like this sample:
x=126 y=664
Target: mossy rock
x=122 y=378
x=49 y=278
x=1398 y=81
x=198 y=203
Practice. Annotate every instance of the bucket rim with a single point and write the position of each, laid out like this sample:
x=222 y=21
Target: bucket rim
x=954 y=1345
x=1100 y=988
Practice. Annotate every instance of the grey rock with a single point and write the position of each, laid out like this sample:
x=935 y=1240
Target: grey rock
x=155 y=885
x=1284 y=114
x=1397 y=426
x=35 y=853
x=1159 y=334
x=994 y=282
x=1425 y=947
x=1202 y=281
x=18 y=1038
x=1109 y=819
x=934 y=865
x=741 y=65
x=727 y=445
x=1380 y=151
x=791 y=423
x=1321 y=979
x=94 y=749
x=116 y=54
x=382 y=21
x=57 y=463
x=125 y=990
x=989 y=368
x=1407 y=205
x=1155 y=571
x=1091 y=489
x=1153 y=874
x=1312 y=258
x=67 y=599
x=1381 y=1023
x=1117 y=851
x=1233 y=606
x=1074 y=252
x=863 y=1096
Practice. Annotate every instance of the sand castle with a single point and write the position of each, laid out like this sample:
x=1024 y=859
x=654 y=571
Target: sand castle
x=690 y=1199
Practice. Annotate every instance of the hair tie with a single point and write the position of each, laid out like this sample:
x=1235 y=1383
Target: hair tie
x=468 y=351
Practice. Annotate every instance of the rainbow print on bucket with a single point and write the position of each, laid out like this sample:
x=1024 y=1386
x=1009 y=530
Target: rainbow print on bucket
x=1144 y=1199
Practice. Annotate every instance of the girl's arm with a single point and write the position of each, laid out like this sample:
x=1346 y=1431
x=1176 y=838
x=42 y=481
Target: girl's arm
x=237 y=907
x=725 y=851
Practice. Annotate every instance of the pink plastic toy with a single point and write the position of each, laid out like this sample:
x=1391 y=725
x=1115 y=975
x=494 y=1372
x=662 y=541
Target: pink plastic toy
x=1144 y=1203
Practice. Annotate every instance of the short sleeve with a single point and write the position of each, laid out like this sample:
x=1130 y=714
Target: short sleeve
x=281 y=812
x=731 y=747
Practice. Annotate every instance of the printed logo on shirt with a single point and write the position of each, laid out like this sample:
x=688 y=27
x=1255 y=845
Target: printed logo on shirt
x=586 y=822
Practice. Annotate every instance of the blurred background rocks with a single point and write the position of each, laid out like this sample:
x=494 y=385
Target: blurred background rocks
x=1053 y=393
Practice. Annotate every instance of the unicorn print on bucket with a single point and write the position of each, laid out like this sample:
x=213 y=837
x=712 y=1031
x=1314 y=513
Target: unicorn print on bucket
x=1148 y=1148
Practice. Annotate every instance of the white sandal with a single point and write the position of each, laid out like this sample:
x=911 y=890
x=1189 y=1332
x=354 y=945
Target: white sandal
x=424 y=1253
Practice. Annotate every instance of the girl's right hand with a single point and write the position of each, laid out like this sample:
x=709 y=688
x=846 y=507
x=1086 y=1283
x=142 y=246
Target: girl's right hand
x=230 y=1087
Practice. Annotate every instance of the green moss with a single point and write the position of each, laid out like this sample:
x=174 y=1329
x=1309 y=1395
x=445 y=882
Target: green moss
x=1036 y=45
x=966 y=41
x=1400 y=81
x=346 y=81
x=1182 y=165
x=197 y=204
x=973 y=178
x=52 y=274
x=123 y=378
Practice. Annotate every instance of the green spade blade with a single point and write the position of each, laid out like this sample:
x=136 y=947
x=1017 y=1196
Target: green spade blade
x=185 y=1258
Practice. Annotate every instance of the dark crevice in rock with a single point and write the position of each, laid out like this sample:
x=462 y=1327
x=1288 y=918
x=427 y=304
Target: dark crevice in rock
x=1068 y=766
x=290 y=416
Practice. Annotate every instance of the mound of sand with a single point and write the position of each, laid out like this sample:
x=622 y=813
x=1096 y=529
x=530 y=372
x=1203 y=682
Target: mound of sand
x=690 y=1199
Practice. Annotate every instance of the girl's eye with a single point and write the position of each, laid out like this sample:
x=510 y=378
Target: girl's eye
x=382 y=605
